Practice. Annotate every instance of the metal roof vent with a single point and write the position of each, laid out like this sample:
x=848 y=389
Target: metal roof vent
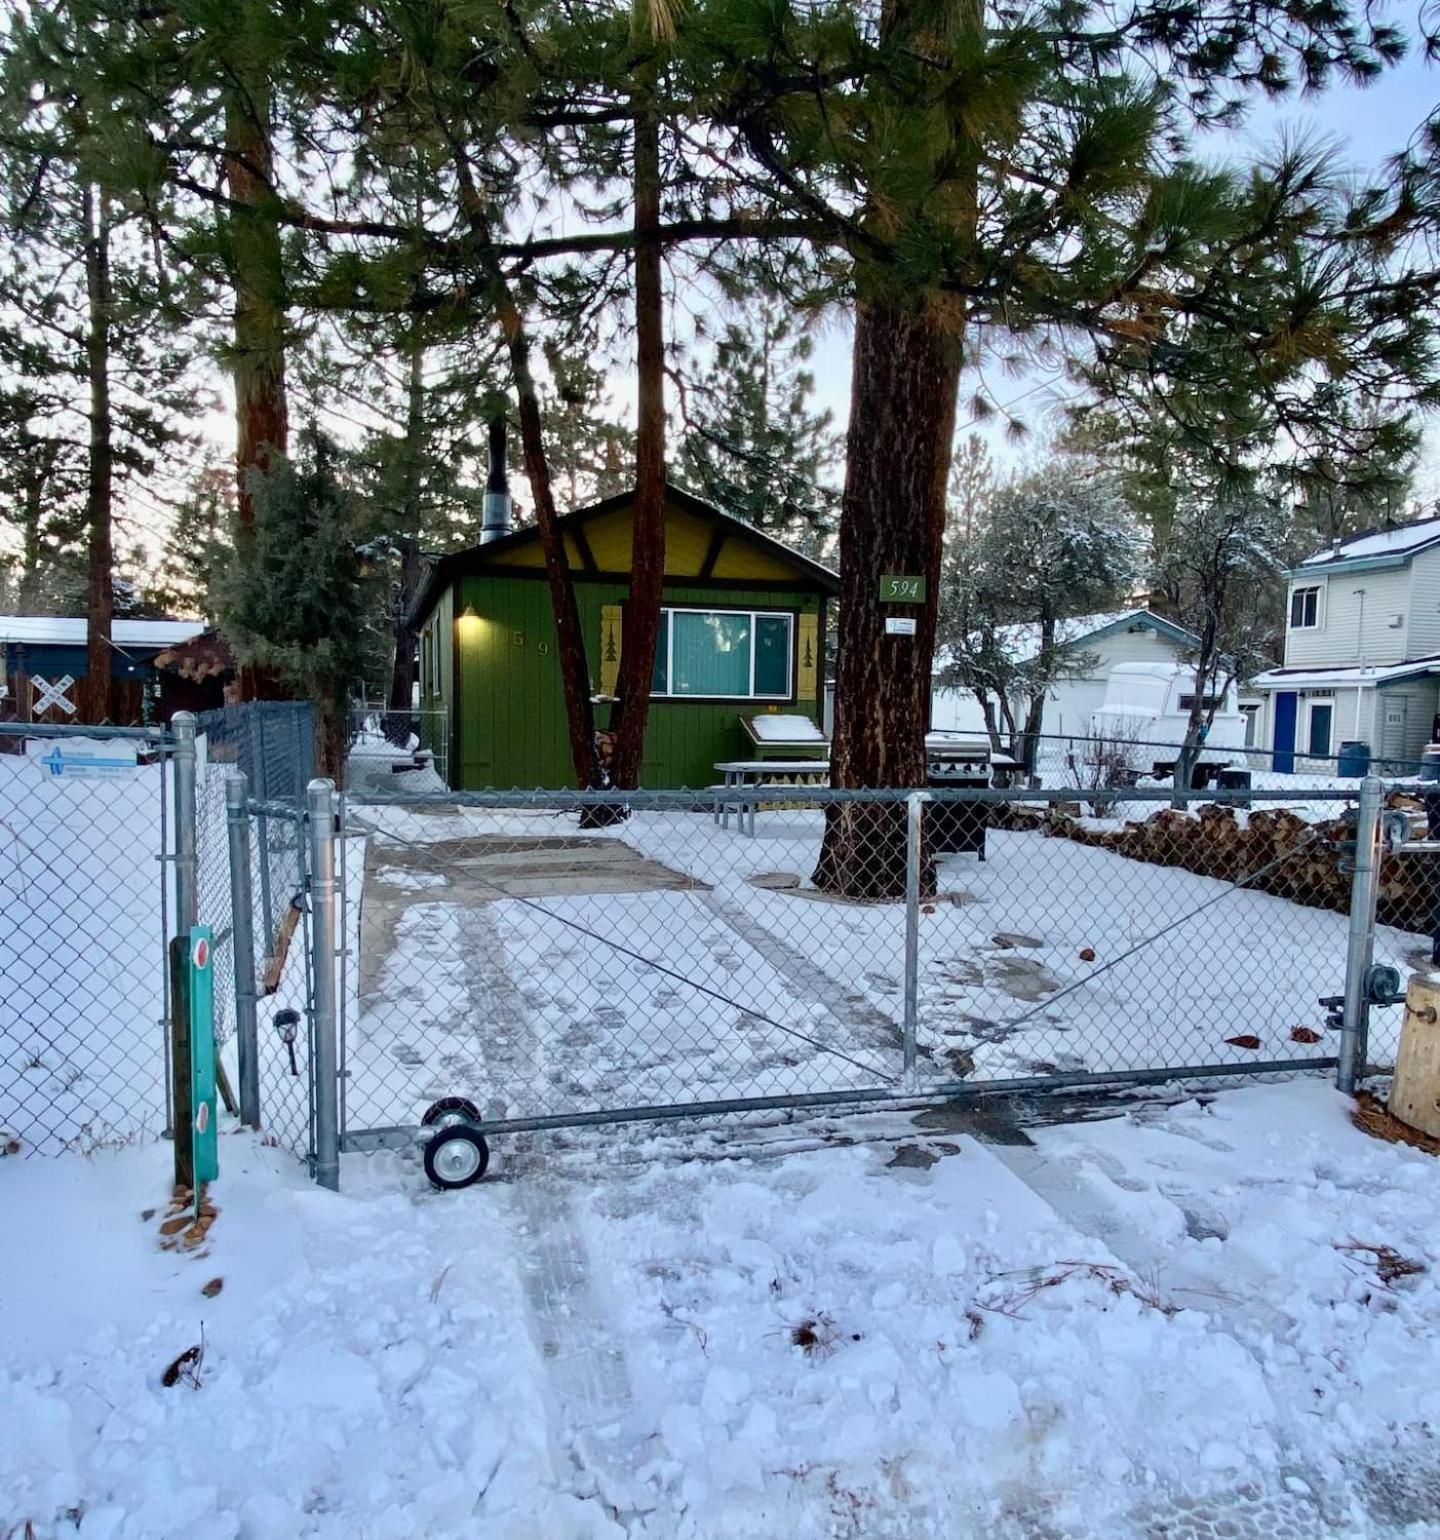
x=495 y=522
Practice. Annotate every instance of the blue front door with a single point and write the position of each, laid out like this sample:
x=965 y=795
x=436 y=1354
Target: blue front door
x=1285 y=709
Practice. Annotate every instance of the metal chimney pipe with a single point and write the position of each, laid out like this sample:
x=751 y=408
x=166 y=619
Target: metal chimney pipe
x=495 y=521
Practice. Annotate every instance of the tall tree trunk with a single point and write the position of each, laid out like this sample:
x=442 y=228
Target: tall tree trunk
x=906 y=372
x=262 y=414
x=647 y=554
x=569 y=633
x=905 y=376
x=590 y=772
x=95 y=695
x=262 y=420
x=41 y=457
x=1206 y=664
x=1035 y=703
x=412 y=563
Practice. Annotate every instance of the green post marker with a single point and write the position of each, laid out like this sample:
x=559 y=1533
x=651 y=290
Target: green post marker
x=202 y=1059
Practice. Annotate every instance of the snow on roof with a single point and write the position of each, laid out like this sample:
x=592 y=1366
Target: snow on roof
x=1165 y=671
x=1022 y=642
x=1383 y=542
x=1311 y=678
x=69 y=631
x=786 y=729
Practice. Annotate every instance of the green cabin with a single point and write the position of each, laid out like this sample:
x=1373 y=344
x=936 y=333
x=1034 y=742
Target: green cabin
x=742 y=635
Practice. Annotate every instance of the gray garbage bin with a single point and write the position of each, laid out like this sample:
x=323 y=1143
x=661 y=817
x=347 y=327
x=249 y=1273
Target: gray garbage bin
x=1354 y=758
x=1232 y=778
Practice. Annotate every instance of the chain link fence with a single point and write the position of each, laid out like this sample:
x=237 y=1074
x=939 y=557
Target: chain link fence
x=398 y=752
x=272 y=745
x=85 y=911
x=1127 y=760
x=550 y=964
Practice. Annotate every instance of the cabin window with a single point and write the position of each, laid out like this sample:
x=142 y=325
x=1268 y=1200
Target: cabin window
x=1304 y=609
x=430 y=661
x=724 y=654
x=1209 y=703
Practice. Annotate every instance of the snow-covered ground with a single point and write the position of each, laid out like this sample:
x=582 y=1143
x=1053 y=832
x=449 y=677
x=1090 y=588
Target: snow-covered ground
x=1164 y=1324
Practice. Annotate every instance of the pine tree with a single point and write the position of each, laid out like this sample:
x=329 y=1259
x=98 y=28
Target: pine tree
x=999 y=178
x=752 y=444
x=42 y=478
x=302 y=601
x=96 y=304
x=196 y=545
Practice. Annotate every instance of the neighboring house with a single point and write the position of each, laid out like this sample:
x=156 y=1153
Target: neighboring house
x=197 y=675
x=52 y=647
x=742 y=633
x=1362 y=650
x=1129 y=636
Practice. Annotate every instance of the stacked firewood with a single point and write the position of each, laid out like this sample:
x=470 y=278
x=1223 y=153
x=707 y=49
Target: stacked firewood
x=1273 y=849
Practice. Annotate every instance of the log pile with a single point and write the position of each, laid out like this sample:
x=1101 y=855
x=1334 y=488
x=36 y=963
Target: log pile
x=1278 y=850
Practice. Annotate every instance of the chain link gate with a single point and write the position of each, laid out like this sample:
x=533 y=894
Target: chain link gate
x=96 y=874
x=529 y=964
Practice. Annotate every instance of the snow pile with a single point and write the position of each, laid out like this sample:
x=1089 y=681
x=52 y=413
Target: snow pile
x=1162 y=1324
x=374 y=766
x=781 y=728
x=365 y=1371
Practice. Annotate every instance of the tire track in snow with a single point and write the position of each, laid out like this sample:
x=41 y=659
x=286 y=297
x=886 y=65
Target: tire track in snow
x=1062 y=1186
x=850 y=1011
x=588 y=1376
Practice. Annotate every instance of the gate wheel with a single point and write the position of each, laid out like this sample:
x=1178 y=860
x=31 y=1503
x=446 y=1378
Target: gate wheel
x=448 y=1111
x=456 y=1157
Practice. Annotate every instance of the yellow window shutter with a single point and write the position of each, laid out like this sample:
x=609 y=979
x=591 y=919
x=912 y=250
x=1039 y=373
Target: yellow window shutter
x=808 y=675
x=611 y=619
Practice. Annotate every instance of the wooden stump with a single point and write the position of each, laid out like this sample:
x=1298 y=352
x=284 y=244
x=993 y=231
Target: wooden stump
x=1415 y=1091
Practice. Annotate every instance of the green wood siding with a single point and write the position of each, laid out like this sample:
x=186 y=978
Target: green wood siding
x=511 y=727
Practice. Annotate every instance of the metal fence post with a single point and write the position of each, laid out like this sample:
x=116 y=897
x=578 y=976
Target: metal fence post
x=1360 y=953
x=914 y=829
x=242 y=947
x=325 y=1064
x=187 y=903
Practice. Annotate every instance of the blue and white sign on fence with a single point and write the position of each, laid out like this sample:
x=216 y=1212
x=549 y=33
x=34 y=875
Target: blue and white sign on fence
x=71 y=757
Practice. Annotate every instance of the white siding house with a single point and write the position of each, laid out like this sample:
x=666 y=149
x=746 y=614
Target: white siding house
x=1131 y=636
x=1362 y=650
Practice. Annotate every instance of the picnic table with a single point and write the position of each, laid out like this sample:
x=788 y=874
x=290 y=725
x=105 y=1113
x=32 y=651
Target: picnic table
x=751 y=773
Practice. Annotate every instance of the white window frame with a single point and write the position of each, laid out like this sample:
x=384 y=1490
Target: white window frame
x=1250 y=717
x=668 y=611
x=1310 y=702
x=1318 y=589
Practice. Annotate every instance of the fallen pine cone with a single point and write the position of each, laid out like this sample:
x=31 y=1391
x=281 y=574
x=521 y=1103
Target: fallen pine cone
x=187 y=1364
x=211 y=1289
x=1304 y=1035
x=1087 y=954
x=1245 y=1040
